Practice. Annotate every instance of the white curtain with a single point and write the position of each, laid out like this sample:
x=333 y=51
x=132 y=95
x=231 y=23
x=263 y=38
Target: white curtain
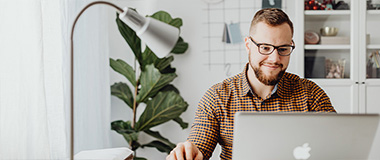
x=34 y=79
x=91 y=76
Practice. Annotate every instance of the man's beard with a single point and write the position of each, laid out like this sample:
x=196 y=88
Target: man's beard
x=267 y=80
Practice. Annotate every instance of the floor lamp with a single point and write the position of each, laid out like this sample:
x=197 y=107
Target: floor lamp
x=160 y=37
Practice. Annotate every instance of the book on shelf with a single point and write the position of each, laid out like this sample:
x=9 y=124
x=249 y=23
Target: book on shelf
x=339 y=39
x=335 y=40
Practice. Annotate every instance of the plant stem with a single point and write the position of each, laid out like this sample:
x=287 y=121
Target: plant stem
x=135 y=105
x=134 y=98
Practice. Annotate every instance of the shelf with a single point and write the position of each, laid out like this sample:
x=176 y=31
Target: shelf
x=374 y=12
x=329 y=47
x=373 y=46
x=327 y=13
x=333 y=82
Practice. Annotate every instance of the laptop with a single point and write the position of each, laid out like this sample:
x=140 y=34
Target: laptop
x=311 y=136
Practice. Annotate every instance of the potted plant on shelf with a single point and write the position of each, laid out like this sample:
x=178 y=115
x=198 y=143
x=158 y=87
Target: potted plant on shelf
x=151 y=87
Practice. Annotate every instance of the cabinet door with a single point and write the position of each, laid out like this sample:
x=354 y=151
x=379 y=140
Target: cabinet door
x=373 y=106
x=370 y=45
x=343 y=97
x=370 y=41
x=372 y=98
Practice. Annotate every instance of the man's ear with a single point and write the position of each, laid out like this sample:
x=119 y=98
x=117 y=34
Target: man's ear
x=246 y=43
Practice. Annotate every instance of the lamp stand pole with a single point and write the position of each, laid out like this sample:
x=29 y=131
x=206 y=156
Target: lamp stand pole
x=72 y=72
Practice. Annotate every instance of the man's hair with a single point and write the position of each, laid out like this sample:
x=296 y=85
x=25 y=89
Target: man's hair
x=271 y=16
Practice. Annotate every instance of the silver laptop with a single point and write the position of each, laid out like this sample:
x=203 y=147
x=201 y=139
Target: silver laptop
x=303 y=136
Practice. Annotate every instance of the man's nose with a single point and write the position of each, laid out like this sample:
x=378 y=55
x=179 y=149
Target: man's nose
x=274 y=57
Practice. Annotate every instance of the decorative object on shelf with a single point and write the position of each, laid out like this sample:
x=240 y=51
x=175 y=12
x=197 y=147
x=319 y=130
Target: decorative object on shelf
x=325 y=5
x=335 y=69
x=368 y=39
x=329 y=7
x=329 y=31
x=341 y=5
x=373 y=5
x=271 y=4
x=311 y=37
x=373 y=65
x=319 y=4
x=150 y=89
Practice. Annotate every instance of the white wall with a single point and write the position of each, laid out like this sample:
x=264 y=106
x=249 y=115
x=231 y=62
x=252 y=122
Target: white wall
x=194 y=77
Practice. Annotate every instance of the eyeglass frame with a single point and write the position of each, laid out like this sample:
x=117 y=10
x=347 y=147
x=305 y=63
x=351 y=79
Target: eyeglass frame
x=275 y=47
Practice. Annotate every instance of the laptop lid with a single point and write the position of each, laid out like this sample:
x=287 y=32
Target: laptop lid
x=303 y=135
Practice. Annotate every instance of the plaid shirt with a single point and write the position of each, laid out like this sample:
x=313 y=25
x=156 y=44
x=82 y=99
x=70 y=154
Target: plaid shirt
x=214 y=117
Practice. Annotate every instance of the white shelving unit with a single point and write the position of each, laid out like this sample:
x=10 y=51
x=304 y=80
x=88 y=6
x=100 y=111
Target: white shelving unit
x=355 y=93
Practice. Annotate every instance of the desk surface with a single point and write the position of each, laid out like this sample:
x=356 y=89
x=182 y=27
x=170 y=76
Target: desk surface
x=105 y=154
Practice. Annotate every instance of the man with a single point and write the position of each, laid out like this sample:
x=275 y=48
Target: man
x=262 y=86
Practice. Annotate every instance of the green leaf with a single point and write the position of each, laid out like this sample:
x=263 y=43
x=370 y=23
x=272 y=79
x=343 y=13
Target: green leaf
x=147 y=58
x=162 y=16
x=163 y=107
x=163 y=63
x=180 y=47
x=168 y=70
x=183 y=124
x=176 y=22
x=162 y=147
x=130 y=37
x=152 y=81
x=125 y=129
x=169 y=87
x=139 y=158
x=125 y=69
x=122 y=91
x=158 y=136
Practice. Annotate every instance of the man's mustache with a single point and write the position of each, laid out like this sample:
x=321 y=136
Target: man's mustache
x=271 y=64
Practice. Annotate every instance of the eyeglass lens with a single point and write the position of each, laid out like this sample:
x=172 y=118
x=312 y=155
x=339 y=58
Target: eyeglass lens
x=268 y=49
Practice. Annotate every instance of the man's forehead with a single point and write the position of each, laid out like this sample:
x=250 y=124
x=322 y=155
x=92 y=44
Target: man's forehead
x=276 y=35
x=278 y=31
x=260 y=26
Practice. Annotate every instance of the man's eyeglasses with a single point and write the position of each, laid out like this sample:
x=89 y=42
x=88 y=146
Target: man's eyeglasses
x=267 y=49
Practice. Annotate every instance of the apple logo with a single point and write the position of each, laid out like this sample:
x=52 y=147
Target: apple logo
x=302 y=152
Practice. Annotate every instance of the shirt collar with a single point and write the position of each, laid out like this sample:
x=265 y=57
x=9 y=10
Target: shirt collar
x=246 y=88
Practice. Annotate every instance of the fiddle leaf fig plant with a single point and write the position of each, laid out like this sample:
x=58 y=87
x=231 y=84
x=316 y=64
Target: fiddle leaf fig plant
x=151 y=87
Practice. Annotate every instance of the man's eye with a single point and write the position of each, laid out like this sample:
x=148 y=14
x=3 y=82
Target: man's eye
x=265 y=48
x=283 y=49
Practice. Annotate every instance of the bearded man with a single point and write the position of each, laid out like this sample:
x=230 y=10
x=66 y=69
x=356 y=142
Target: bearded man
x=263 y=86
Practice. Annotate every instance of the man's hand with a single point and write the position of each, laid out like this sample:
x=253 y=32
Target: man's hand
x=185 y=151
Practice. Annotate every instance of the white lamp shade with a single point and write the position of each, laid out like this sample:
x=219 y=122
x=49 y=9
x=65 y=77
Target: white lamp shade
x=158 y=36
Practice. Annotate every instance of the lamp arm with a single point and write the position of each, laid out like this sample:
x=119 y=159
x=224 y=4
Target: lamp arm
x=72 y=71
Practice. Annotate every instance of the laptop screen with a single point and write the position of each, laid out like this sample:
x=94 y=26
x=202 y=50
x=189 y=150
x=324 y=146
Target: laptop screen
x=303 y=135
